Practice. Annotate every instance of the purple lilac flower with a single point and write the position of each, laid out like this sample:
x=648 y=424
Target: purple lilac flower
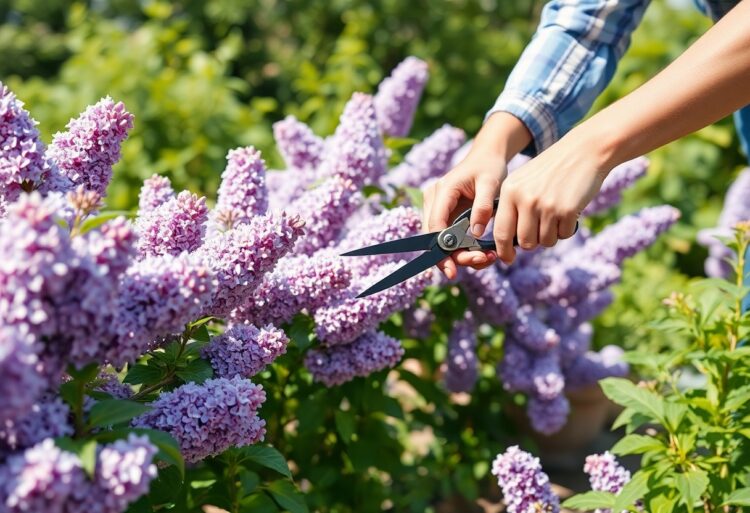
x=528 y=282
x=370 y=352
x=576 y=278
x=299 y=146
x=157 y=297
x=564 y=316
x=284 y=187
x=324 y=211
x=428 y=159
x=155 y=191
x=490 y=295
x=591 y=367
x=605 y=474
x=461 y=368
x=123 y=473
x=575 y=343
x=526 y=488
x=47 y=419
x=736 y=208
x=111 y=247
x=356 y=151
x=530 y=331
x=23 y=165
x=347 y=318
x=177 y=225
x=209 y=418
x=514 y=370
x=21 y=383
x=418 y=320
x=244 y=350
x=548 y=416
x=43 y=478
x=547 y=376
x=297 y=283
x=243 y=185
x=239 y=257
x=619 y=179
x=398 y=96
x=108 y=383
x=629 y=235
x=86 y=153
x=396 y=223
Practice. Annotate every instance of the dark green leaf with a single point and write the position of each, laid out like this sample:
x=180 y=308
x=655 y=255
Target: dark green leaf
x=142 y=505
x=114 y=411
x=344 y=424
x=201 y=334
x=739 y=497
x=249 y=481
x=691 y=486
x=590 y=500
x=200 y=322
x=167 y=486
x=85 y=374
x=632 y=491
x=736 y=398
x=300 y=331
x=287 y=496
x=266 y=456
x=72 y=393
x=624 y=392
x=637 y=444
x=197 y=371
x=139 y=374
x=258 y=503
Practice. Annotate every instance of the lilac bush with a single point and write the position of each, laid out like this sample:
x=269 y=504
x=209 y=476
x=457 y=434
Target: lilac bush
x=526 y=488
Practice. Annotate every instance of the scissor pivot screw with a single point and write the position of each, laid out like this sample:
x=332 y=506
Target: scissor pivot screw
x=449 y=240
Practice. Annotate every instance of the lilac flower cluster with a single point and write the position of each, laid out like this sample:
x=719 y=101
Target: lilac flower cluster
x=370 y=352
x=46 y=478
x=605 y=475
x=244 y=350
x=525 y=486
x=418 y=320
x=47 y=419
x=154 y=192
x=177 y=225
x=86 y=153
x=619 y=179
x=461 y=367
x=736 y=208
x=398 y=96
x=209 y=418
x=298 y=145
x=242 y=193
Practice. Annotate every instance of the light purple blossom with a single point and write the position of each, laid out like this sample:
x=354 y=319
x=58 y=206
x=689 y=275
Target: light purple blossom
x=575 y=279
x=111 y=247
x=23 y=165
x=48 y=418
x=564 y=316
x=528 y=282
x=177 y=225
x=286 y=186
x=530 y=331
x=209 y=418
x=124 y=472
x=21 y=383
x=244 y=350
x=591 y=367
x=461 y=368
x=86 y=153
x=299 y=146
x=370 y=352
x=619 y=179
x=514 y=370
x=347 y=318
x=155 y=191
x=418 y=321
x=575 y=343
x=356 y=151
x=239 y=257
x=108 y=383
x=398 y=96
x=243 y=186
x=605 y=474
x=490 y=295
x=548 y=416
x=428 y=159
x=526 y=488
x=325 y=210
x=297 y=283
x=547 y=377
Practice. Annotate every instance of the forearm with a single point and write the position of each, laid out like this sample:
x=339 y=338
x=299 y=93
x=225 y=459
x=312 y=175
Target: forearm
x=502 y=135
x=706 y=83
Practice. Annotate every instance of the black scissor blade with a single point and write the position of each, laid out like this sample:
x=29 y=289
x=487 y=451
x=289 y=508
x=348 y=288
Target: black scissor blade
x=406 y=271
x=417 y=243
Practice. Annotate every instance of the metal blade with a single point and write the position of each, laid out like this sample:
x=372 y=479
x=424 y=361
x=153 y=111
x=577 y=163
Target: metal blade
x=416 y=266
x=417 y=243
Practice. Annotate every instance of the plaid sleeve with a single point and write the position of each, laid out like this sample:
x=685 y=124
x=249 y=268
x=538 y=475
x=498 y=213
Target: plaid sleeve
x=567 y=64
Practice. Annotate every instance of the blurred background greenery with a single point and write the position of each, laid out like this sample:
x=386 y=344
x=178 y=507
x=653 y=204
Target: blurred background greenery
x=203 y=77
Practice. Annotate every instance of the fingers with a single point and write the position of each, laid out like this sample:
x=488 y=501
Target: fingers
x=566 y=225
x=448 y=267
x=481 y=210
x=548 y=229
x=528 y=227
x=444 y=201
x=428 y=197
x=474 y=258
x=505 y=227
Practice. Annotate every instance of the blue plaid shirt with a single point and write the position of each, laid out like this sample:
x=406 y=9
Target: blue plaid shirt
x=572 y=58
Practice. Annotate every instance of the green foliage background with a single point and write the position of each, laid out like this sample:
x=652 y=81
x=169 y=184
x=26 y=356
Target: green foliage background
x=203 y=77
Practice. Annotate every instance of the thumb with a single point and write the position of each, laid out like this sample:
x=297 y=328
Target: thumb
x=481 y=210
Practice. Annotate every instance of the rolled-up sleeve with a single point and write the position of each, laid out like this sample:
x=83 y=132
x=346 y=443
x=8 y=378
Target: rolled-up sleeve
x=568 y=63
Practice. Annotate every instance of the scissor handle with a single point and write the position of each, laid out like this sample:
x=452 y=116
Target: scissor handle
x=490 y=244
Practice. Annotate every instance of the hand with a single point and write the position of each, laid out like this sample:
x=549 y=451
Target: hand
x=541 y=201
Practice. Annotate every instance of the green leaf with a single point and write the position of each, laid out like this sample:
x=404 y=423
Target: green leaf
x=415 y=196
x=114 y=411
x=300 y=331
x=200 y=322
x=258 y=503
x=691 y=486
x=287 y=496
x=344 y=424
x=95 y=222
x=632 y=491
x=739 y=497
x=139 y=374
x=662 y=503
x=590 y=500
x=201 y=334
x=142 y=505
x=736 y=398
x=84 y=449
x=196 y=371
x=249 y=481
x=267 y=456
x=674 y=413
x=637 y=444
x=395 y=143
x=625 y=393
x=167 y=486
x=72 y=394
x=85 y=374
